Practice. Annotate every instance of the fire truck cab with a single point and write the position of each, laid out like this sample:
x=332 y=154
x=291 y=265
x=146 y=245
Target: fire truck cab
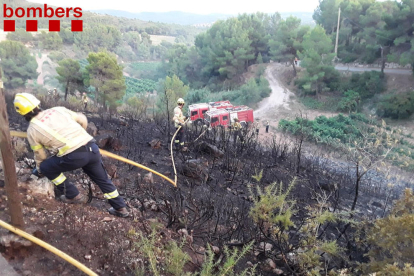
x=219 y=117
x=225 y=117
x=243 y=113
x=197 y=111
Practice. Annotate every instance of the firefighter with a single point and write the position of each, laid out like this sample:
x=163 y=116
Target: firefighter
x=257 y=128
x=85 y=100
x=267 y=126
x=55 y=94
x=179 y=120
x=63 y=133
x=237 y=127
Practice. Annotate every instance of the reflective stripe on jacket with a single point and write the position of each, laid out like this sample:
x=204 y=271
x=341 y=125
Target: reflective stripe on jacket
x=178 y=116
x=59 y=130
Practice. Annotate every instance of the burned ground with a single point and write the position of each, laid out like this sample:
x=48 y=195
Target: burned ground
x=212 y=201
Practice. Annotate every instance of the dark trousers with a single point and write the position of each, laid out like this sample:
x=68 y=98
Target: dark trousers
x=89 y=159
x=86 y=105
x=238 y=133
x=179 y=138
x=267 y=129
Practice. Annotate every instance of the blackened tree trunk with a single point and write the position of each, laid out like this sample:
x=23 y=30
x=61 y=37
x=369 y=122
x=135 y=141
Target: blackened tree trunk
x=10 y=178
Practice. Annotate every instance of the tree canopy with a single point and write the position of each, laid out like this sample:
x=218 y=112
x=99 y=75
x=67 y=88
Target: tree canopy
x=17 y=63
x=69 y=75
x=369 y=25
x=105 y=74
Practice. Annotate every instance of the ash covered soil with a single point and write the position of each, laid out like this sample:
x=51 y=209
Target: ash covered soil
x=212 y=200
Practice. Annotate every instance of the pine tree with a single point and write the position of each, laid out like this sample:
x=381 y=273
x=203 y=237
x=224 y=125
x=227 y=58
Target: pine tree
x=105 y=74
x=69 y=75
x=317 y=59
x=17 y=64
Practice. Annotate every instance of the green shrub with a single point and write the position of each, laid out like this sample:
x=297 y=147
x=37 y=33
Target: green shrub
x=20 y=35
x=396 y=106
x=145 y=70
x=57 y=56
x=366 y=84
x=360 y=117
x=232 y=257
x=273 y=210
x=391 y=240
x=176 y=259
x=350 y=101
x=172 y=258
x=311 y=103
x=324 y=130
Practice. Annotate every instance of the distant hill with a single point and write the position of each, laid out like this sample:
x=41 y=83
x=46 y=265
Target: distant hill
x=174 y=17
x=305 y=17
x=185 y=18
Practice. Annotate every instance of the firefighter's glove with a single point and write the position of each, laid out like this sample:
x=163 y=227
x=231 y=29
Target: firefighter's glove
x=36 y=172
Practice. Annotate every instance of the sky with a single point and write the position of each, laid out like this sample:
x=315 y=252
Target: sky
x=192 y=6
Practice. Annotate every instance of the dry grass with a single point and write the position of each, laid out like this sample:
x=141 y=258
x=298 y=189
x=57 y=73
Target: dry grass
x=2 y=35
x=157 y=39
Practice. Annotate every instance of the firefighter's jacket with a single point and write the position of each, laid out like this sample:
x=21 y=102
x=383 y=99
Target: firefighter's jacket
x=178 y=116
x=59 y=130
x=237 y=126
x=85 y=98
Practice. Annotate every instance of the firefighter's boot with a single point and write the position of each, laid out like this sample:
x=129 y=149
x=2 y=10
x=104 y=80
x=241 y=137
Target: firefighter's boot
x=79 y=199
x=122 y=212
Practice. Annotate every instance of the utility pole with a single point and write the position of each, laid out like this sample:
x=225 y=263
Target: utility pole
x=337 y=33
x=10 y=178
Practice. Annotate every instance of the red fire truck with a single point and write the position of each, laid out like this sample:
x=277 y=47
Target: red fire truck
x=225 y=117
x=197 y=111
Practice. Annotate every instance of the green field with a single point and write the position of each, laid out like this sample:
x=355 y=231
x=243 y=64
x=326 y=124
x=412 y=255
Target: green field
x=133 y=85
x=144 y=66
x=145 y=70
x=136 y=86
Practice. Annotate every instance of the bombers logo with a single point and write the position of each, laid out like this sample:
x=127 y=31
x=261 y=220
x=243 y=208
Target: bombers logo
x=41 y=12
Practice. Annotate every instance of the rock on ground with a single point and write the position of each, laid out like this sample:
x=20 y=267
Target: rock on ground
x=195 y=168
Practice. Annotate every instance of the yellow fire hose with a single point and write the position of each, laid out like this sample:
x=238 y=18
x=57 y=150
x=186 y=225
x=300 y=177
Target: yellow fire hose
x=47 y=246
x=172 y=154
x=123 y=159
x=111 y=155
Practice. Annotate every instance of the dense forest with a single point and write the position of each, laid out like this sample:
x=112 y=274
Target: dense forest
x=369 y=27
x=212 y=62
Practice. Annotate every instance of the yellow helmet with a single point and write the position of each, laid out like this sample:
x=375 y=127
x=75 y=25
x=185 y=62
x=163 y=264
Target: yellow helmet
x=180 y=101
x=25 y=102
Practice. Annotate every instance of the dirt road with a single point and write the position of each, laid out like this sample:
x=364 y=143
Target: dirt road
x=40 y=61
x=407 y=72
x=279 y=97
